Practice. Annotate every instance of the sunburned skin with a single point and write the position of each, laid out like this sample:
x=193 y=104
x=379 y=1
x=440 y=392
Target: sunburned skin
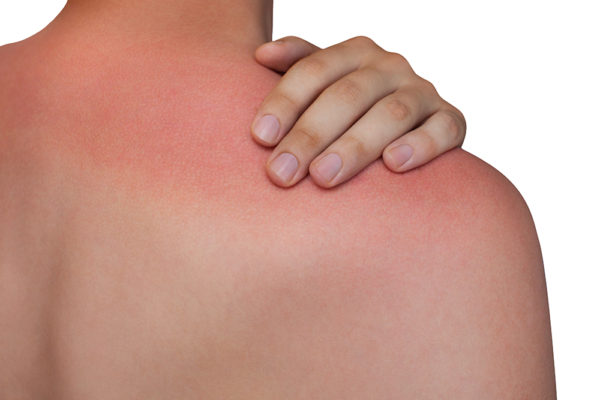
x=144 y=252
x=171 y=122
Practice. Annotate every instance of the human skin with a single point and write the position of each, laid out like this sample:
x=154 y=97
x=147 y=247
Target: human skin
x=369 y=102
x=145 y=254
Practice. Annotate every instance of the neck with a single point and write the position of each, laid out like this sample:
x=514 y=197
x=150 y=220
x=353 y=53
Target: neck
x=244 y=24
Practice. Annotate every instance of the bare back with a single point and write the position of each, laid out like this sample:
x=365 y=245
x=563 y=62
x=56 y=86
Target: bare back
x=145 y=254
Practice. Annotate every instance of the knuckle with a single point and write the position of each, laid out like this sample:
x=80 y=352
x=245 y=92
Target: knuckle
x=289 y=38
x=312 y=66
x=460 y=118
x=307 y=137
x=428 y=86
x=396 y=60
x=347 y=90
x=451 y=126
x=397 y=109
x=285 y=101
x=429 y=146
x=362 y=41
x=358 y=148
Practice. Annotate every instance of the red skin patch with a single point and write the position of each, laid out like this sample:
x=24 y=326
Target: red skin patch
x=140 y=211
x=173 y=125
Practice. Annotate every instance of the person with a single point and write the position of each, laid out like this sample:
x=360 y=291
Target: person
x=145 y=254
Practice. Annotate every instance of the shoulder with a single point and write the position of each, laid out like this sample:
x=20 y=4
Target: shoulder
x=456 y=213
x=456 y=197
x=460 y=192
x=438 y=272
x=449 y=257
x=435 y=272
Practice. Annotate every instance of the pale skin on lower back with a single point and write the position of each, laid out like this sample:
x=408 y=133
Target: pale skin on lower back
x=145 y=253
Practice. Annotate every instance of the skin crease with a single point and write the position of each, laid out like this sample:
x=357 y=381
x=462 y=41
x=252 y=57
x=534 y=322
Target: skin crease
x=144 y=253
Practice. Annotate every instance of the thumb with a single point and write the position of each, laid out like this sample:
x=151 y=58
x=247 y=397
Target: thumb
x=281 y=54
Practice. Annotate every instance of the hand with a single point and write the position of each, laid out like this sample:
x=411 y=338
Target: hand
x=369 y=99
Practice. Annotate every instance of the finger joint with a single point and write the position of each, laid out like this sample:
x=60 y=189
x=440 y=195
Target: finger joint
x=397 y=109
x=429 y=146
x=451 y=126
x=397 y=61
x=308 y=137
x=312 y=66
x=348 y=90
x=285 y=101
x=358 y=148
x=362 y=41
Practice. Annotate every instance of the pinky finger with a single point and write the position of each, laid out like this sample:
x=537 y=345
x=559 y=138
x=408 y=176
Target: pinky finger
x=441 y=132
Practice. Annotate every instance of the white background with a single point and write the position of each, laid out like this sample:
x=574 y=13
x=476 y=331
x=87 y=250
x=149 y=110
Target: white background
x=525 y=74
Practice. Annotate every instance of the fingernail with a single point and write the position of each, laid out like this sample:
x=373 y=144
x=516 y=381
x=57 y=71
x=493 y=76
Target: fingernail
x=285 y=166
x=401 y=154
x=329 y=166
x=267 y=128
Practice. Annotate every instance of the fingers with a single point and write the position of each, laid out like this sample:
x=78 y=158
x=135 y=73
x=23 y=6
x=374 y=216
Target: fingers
x=364 y=142
x=298 y=88
x=332 y=113
x=281 y=54
x=441 y=132
x=405 y=116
